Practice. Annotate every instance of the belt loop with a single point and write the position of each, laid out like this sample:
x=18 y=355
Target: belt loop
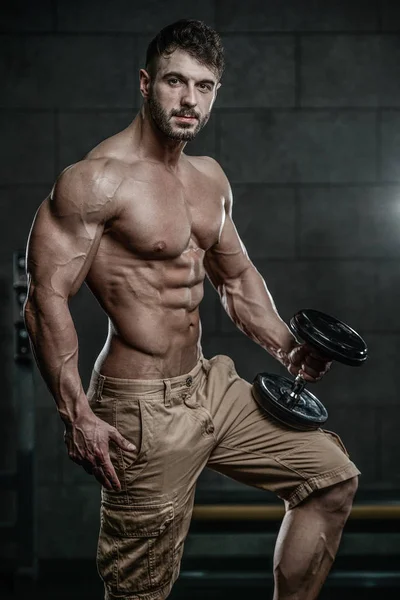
x=100 y=385
x=167 y=393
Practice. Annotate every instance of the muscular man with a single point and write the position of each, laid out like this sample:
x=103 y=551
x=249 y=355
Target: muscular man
x=142 y=224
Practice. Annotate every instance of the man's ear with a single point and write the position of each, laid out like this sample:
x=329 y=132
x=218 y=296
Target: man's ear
x=145 y=81
x=218 y=86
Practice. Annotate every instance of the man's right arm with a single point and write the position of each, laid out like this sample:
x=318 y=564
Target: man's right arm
x=63 y=240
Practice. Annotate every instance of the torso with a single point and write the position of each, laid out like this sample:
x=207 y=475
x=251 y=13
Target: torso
x=148 y=273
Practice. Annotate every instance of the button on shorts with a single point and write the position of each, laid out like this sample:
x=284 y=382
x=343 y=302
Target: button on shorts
x=180 y=425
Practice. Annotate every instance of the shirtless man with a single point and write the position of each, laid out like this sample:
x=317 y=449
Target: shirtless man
x=142 y=224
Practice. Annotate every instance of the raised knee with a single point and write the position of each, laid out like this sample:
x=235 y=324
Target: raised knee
x=339 y=498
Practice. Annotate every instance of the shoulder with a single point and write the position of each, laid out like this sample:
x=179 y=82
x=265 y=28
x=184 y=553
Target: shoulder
x=212 y=169
x=209 y=166
x=86 y=187
x=86 y=176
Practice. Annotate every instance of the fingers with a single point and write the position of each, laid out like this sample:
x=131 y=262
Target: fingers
x=315 y=368
x=310 y=375
x=315 y=364
x=91 y=451
x=314 y=371
x=101 y=467
x=122 y=442
x=309 y=363
x=305 y=350
x=106 y=475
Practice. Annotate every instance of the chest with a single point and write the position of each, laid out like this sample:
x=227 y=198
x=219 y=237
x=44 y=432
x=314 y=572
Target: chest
x=163 y=218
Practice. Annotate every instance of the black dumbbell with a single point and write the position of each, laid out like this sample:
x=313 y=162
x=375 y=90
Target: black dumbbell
x=286 y=399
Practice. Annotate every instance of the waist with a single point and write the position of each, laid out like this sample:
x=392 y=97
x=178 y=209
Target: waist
x=104 y=384
x=148 y=355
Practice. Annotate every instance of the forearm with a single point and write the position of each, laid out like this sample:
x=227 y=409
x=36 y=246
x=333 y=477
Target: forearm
x=249 y=304
x=55 y=346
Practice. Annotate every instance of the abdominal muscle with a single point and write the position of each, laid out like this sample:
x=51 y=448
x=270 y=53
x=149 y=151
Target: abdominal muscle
x=153 y=310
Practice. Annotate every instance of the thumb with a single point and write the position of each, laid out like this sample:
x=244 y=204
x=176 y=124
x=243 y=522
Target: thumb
x=121 y=441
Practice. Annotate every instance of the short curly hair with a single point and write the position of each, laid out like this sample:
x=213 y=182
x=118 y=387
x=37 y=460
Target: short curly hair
x=194 y=37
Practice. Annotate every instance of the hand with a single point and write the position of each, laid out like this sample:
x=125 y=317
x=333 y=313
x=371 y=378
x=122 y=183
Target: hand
x=307 y=362
x=87 y=440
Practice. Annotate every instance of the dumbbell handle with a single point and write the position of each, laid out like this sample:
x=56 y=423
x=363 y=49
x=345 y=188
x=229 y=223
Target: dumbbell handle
x=298 y=386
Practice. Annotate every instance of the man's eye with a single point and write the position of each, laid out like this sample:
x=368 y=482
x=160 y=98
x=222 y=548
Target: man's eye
x=205 y=87
x=173 y=80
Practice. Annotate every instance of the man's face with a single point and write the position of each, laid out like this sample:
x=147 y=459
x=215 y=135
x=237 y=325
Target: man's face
x=181 y=96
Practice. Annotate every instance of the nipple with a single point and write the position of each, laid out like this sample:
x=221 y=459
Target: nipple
x=159 y=246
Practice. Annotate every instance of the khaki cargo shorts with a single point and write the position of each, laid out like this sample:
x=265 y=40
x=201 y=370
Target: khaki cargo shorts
x=180 y=425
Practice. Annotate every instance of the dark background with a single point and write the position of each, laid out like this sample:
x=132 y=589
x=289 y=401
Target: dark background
x=306 y=126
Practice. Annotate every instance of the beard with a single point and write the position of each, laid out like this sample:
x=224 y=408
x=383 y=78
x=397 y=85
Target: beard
x=183 y=131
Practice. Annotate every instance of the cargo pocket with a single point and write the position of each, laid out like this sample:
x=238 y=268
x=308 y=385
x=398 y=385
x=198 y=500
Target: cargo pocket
x=336 y=439
x=136 y=546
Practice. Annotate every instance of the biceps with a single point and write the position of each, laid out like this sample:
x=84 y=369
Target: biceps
x=228 y=260
x=60 y=253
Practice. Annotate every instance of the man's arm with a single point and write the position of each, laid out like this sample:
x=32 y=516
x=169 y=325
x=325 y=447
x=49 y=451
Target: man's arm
x=63 y=241
x=241 y=287
x=246 y=298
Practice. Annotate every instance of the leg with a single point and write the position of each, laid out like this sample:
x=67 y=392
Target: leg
x=309 y=470
x=308 y=541
x=143 y=526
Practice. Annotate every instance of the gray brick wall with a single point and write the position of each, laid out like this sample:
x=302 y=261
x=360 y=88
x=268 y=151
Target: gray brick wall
x=307 y=127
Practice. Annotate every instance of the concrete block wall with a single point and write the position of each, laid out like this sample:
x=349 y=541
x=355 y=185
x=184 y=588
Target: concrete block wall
x=306 y=126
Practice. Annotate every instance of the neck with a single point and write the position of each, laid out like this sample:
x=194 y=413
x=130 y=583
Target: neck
x=152 y=143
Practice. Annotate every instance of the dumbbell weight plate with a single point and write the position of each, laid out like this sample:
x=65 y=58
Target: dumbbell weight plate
x=330 y=336
x=271 y=392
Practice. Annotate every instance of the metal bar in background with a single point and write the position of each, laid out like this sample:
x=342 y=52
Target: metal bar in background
x=243 y=512
x=24 y=401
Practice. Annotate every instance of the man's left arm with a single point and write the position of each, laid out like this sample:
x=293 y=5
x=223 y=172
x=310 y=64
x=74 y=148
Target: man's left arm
x=248 y=302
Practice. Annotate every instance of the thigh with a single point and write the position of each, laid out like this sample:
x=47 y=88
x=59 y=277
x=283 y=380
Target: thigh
x=259 y=451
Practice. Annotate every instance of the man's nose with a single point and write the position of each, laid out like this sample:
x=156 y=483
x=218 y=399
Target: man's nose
x=189 y=97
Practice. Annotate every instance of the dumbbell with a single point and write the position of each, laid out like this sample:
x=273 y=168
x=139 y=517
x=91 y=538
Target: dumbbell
x=287 y=400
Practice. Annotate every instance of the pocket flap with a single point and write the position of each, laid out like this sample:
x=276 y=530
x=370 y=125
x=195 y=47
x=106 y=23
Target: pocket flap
x=136 y=520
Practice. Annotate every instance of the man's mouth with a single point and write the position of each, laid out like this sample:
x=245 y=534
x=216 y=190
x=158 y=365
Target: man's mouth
x=186 y=118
